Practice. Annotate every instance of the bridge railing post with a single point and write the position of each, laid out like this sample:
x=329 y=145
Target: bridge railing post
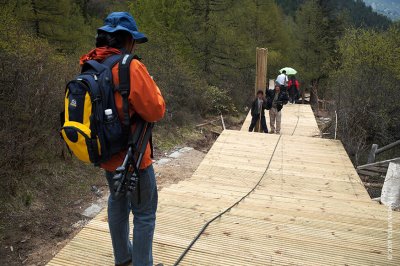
x=372 y=153
x=375 y=150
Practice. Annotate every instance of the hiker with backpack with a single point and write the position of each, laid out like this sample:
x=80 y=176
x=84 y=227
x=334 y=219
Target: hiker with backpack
x=106 y=105
x=276 y=100
x=293 y=88
x=258 y=108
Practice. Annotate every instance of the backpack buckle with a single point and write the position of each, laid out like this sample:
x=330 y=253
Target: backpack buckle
x=96 y=99
x=124 y=92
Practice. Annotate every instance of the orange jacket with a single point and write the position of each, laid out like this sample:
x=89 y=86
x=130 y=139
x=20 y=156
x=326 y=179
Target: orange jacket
x=145 y=99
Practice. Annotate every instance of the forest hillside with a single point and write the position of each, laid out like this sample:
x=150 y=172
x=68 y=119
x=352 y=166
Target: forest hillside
x=202 y=55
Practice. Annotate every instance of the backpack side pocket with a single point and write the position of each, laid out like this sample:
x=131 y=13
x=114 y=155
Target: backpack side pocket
x=77 y=137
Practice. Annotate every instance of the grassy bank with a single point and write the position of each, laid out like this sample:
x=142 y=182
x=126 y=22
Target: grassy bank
x=47 y=203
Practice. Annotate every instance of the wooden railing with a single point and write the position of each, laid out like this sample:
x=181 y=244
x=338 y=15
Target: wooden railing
x=375 y=150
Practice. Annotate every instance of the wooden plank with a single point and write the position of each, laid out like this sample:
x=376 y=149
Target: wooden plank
x=368 y=173
x=310 y=207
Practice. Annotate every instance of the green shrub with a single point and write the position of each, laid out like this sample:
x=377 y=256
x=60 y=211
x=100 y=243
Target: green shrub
x=366 y=90
x=218 y=101
x=32 y=78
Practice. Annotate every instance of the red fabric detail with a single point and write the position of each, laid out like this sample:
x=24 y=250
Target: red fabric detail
x=99 y=54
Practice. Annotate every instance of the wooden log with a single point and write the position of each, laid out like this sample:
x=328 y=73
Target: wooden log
x=378 y=169
x=367 y=173
x=261 y=77
x=388 y=147
x=261 y=69
x=380 y=164
x=373 y=185
x=207 y=123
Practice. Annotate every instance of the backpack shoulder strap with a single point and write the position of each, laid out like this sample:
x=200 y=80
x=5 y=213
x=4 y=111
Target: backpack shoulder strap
x=112 y=60
x=98 y=67
x=124 y=86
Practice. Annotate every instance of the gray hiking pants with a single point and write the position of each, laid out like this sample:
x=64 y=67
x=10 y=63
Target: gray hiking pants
x=275 y=116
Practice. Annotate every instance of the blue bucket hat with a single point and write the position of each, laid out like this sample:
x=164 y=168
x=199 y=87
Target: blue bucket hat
x=123 y=21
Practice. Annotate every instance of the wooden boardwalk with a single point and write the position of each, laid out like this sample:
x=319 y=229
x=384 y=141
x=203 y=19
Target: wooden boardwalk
x=297 y=120
x=309 y=208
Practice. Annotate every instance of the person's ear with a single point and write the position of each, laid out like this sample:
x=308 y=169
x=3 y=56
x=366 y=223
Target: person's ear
x=133 y=46
x=130 y=45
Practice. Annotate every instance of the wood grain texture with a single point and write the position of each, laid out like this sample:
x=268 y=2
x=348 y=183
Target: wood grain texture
x=310 y=208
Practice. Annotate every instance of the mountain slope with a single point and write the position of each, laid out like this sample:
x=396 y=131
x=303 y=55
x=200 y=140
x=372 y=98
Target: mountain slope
x=360 y=14
x=388 y=8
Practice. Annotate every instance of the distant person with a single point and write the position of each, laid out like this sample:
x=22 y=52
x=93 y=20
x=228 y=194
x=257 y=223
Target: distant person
x=282 y=80
x=293 y=88
x=276 y=99
x=258 y=112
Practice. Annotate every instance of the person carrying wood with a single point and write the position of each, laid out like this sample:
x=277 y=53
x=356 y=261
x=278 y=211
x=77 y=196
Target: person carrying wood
x=258 y=108
x=276 y=99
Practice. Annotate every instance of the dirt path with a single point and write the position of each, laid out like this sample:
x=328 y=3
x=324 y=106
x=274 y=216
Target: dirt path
x=179 y=168
x=35 y=244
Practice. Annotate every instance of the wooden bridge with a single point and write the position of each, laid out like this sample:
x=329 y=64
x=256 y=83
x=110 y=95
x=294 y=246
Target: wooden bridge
x=308 y=207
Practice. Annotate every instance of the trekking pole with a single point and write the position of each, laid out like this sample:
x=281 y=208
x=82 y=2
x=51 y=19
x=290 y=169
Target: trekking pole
x=127 y=176
x=134 y=181
x=120 y=175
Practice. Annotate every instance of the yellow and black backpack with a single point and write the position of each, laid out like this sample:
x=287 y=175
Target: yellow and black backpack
x=91 y=127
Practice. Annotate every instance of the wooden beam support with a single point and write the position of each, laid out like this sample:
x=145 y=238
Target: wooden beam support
x=261 y=69
x=261 y=76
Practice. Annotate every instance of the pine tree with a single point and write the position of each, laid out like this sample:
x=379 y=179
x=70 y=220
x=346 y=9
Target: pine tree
x=313 y=50
x=59 y=22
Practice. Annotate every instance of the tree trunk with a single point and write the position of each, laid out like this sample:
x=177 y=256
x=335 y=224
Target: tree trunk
x=36 y=19
x=314 y=95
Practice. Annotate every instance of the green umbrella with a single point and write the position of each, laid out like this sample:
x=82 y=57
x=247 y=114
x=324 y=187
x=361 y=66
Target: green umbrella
x=289 y=71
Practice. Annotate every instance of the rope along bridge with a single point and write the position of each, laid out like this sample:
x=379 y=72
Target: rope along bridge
x=262 y=199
